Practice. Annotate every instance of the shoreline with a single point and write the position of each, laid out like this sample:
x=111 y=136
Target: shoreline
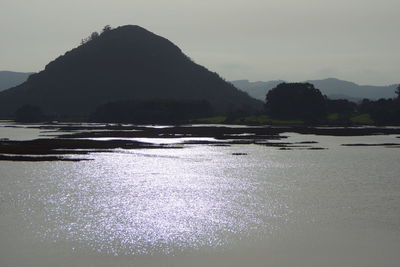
x=63 y=140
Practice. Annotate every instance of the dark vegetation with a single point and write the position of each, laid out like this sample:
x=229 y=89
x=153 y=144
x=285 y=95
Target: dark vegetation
x=296 y=101
x=64 y=146
x=288 y=103
x=153 y=111
x=59 y=149
x=37 y=158
x=58 y=146
x=79 y=141
x=29 y=113
x=128 y=63
x=382 y=111
x=304 y=102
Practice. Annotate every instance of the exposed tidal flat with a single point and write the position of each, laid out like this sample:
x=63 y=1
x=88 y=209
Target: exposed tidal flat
x=127 y=195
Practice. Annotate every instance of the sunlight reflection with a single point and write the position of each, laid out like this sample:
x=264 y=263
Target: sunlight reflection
x=157 y=199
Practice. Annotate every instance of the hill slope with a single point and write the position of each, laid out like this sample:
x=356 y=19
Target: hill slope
x=126 y=63
x=258 y=90
x=10 y=79
x=333 y=88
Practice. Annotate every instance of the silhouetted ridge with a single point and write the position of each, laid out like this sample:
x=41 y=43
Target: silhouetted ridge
x=126 y=63
x=10 y=79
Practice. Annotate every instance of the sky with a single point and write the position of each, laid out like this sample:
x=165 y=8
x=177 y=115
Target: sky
x=292 y=40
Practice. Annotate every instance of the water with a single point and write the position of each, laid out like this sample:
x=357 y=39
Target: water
x=17 y=132
x=203 y=205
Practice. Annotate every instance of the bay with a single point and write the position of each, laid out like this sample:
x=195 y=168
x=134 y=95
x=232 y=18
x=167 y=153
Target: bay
x=204 y=205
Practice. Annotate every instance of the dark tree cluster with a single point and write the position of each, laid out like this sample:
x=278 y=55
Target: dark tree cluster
x=95 y=35
x=29 y=113
x=152 y=111
x=382 y=111
x=342 y=108
x=296 y=101
x=91 y=37
x=303 y=101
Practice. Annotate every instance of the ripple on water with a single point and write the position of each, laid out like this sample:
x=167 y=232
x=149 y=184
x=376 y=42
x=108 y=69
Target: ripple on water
x=135 y=203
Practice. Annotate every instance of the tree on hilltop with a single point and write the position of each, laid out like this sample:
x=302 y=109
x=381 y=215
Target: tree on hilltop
x=106 y=29
x=92 y=36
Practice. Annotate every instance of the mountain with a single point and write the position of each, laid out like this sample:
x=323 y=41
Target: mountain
x=333 y=88
x=126 y=63
x=258 y=90
x=10 y=79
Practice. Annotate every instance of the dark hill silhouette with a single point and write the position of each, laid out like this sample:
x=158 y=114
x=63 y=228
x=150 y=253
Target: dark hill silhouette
x=333 y=86
x=10 y=79
x=126 y=63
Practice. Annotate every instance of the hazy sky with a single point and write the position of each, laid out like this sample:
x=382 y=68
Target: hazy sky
x=294 y=40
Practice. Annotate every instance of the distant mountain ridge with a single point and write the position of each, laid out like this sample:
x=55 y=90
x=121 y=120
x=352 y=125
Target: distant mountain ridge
x=332 y=87
x=126 y=63
x=10 y=79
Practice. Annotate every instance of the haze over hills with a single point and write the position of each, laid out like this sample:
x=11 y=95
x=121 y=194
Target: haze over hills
x=333 y=88
x=10 y=79
x=126 y=63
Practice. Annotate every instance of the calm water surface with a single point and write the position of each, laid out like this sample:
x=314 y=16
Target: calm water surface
x=202 y=205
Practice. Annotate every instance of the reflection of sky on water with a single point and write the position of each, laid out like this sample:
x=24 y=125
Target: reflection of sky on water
x=151 y=140
x=148 y=200
x=10 y=131
x=259 y=204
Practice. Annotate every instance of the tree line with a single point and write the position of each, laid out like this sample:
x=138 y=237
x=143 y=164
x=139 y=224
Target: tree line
x=304 y=102
x=287 y=101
